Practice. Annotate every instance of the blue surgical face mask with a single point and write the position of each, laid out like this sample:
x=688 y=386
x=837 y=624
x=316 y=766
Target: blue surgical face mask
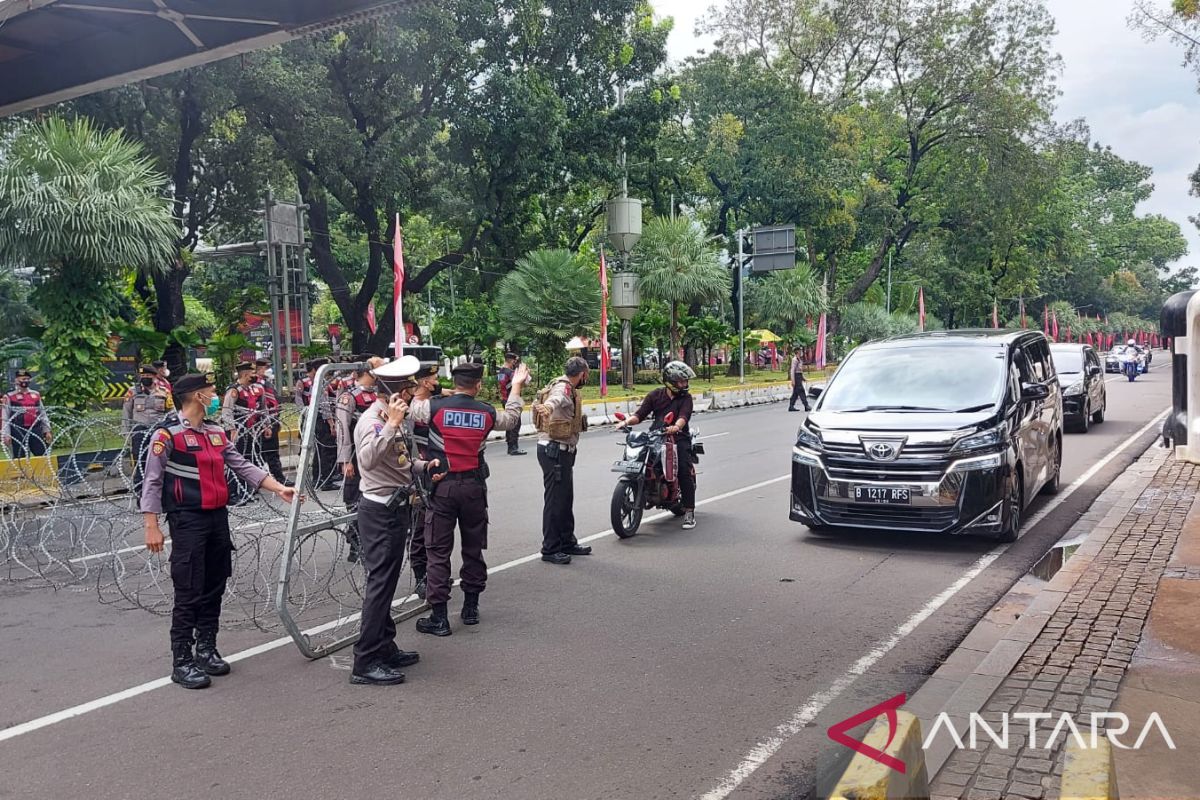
x=214 y=404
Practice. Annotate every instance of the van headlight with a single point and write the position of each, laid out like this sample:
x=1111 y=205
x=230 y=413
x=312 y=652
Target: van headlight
x=806 y=438
x=806 y=457
x=993 y=437
x=993 y=461
x=1074 y=388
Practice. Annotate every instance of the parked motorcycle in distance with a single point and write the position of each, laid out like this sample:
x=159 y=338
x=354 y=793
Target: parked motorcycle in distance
x=649 y=476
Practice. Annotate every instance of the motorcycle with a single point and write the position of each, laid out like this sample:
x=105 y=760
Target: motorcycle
x=1132 y=365
x=649 y=476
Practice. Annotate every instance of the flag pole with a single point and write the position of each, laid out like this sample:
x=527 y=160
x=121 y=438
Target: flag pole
x=398 y=287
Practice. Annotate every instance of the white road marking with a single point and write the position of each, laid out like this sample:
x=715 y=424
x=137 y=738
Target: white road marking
x=805 y=714
x=134 y=691
x=704 y=436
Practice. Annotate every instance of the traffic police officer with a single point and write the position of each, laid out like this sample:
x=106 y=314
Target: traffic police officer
x=351 y=404
x=268 y=431
x=387 y=477
x=24 y=424
x=557 y=445
x=163 y=373
x=504 y=380
x=185 y=477
x=241 y=415
x=459 y=425
x=324 y=466
x=145 y=406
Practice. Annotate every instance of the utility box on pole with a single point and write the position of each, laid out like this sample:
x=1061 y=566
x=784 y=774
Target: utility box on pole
x=774 y=248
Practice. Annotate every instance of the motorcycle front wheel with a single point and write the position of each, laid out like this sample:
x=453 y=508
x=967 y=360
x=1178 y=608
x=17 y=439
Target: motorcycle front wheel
x=626 y=511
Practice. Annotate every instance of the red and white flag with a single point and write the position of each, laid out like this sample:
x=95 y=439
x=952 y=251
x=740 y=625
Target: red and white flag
x=398 y=286
x=920 y=308
x=605 y=358
x=371 y=317
x=1054 y=325
x=821 y=343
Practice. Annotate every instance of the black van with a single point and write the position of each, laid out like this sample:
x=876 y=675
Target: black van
x=948 y=431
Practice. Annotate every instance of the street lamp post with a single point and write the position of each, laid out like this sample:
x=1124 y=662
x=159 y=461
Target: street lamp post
x=624 y=231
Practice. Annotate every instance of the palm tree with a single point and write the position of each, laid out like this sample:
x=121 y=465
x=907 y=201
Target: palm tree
x=706 y=334
x=787 y=297
x=550 y=297
x=680 y=264
x=79 y=205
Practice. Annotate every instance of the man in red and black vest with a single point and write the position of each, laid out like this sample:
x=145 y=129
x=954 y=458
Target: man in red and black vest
x=427 y=388
x=25 y=426
x=351 y=404
x=504 y=378
x=162 y=376
x=459 y=425
x=268 y=431
x=241 y=414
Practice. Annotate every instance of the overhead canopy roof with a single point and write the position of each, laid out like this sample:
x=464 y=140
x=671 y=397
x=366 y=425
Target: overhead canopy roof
x=54 y=50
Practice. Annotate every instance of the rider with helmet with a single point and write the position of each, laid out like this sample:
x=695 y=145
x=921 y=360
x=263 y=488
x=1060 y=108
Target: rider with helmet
x=673 y=399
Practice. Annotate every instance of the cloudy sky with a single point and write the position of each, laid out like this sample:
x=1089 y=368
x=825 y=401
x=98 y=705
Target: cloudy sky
x=1134 y=94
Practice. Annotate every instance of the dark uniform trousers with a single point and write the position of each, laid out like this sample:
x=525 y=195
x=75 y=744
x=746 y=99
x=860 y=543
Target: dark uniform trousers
x=558 y=513
x=686 y=470
x=201 y=563
x=459 y=498
x=324 y=465
x=269 y=447
x=26 y=441
x=798 y=394
x=137 y=448
x=350 y=492
x=421 y=520
x=239 y=492
x=512 y=438
x=383 y=533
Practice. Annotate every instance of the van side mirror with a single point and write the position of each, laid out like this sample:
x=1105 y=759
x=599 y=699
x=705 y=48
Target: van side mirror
x=1034 y=391
x=1094 y=370
x=815 y=390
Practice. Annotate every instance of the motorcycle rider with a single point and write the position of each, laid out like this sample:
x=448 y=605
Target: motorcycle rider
x=673 y=398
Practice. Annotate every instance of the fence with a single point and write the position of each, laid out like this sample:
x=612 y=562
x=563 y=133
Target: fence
x=70 y=518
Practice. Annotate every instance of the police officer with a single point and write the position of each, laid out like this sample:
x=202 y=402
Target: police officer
x=427 y=388
x=459 y=425
x=504 y=380
x=557 y=446
x=163 y=376
x=673 y=399
x=145 y=406
x=268 y=430
x=25 y=426
x=351 y=404
x=387 y=477
x=324 y=466
x=240 y=415
x=796 y=376
x=185 y=470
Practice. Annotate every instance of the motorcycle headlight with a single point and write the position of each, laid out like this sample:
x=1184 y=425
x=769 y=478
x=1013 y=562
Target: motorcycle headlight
x=806 y=438
x=979 y=441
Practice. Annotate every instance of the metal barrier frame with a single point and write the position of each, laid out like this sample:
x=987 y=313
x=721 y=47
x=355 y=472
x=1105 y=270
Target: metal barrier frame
x=295 y=531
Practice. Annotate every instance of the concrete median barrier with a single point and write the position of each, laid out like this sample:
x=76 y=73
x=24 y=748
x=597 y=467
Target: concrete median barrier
x=868 y=779
x=1089 y=773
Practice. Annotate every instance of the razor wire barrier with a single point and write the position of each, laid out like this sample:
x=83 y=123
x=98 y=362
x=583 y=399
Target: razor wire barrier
x=70 y=519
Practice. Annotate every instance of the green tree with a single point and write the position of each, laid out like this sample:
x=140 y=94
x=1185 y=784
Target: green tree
x=78 y=204
x=551 y=297
x=679 y=265
x=786 y=298
x=705 y=334
x=473 y=326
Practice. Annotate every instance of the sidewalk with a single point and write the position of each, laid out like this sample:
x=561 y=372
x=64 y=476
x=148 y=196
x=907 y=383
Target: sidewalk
x=1115 y=629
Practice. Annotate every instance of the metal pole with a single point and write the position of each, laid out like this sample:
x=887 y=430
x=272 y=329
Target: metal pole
x=273 y=284
x=741 y=312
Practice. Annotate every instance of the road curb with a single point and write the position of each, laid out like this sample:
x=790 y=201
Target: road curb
x=998 y=661
x=1089 y=773
x=868 y=779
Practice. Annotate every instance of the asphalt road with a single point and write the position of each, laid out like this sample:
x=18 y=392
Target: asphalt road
x=704 y=663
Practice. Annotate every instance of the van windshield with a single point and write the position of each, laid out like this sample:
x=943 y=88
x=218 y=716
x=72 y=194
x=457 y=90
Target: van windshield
x=1068 y=362
x=923 y=378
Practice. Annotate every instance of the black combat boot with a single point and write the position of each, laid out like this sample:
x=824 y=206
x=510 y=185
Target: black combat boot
x=355 y=545
x=470 y=609
x=185 y=672
x=398 y=659
x=207 y=657
x=436 y=624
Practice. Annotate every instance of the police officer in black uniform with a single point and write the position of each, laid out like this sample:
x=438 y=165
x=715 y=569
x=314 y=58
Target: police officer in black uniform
x=269 y=425
x=145 y=406
x=185 y=477
x=324 y=466
x=427 y=388
x=24 y=424
x=241 y=414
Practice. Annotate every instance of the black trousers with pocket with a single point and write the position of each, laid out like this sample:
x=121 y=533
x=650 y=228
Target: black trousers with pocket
x=201 y=563
x=383 y=533
x=558 y=511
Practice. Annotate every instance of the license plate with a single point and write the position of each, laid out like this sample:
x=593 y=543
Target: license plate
x=628 y=467
x=881 y=494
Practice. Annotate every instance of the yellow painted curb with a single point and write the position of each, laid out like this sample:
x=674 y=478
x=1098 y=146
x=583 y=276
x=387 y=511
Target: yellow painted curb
x=1089 y=773
x=867 y=779
x=17 y=476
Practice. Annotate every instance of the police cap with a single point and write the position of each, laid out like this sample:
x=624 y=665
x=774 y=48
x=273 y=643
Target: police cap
x=158 y=364
x=244 y=366
x=262 y=362
x=470 y=371
x=193 y=383
x=23 y=373
x=147 y=370
x=429 y=369
x=397 y=375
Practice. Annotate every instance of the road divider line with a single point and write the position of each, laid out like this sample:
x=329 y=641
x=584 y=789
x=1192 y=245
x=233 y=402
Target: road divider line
x=814 y=705
x=149 y=686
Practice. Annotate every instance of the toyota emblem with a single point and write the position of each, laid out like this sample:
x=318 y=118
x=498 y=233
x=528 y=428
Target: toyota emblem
x=882 y=451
